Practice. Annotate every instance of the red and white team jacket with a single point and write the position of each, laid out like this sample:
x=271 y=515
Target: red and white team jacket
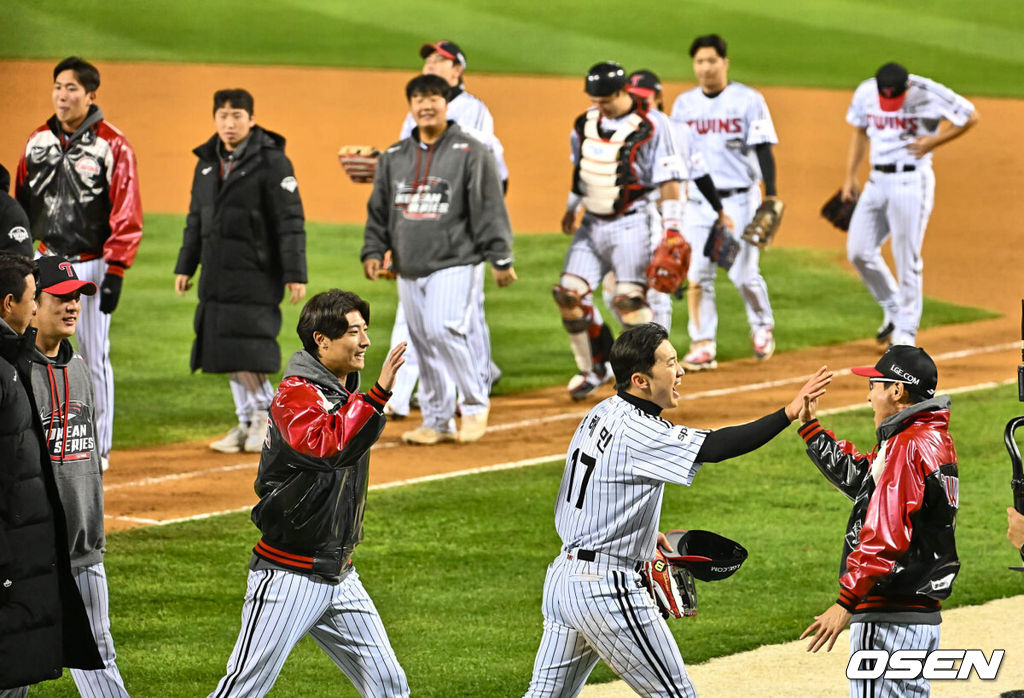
x=899 y=553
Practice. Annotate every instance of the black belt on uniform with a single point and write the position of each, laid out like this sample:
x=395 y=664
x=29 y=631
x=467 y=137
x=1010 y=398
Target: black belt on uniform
x=726 y=193
x=586 y=555
x=892 y=169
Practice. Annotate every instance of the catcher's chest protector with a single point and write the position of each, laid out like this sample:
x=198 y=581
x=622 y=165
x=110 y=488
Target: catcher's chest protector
x=605 y=174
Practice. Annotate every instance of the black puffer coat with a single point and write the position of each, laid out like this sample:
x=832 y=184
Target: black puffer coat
x=248 y=233
x=43 y=625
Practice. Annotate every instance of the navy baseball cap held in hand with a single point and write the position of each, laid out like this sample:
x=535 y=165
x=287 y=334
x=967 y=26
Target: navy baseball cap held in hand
x=904 y=364
x=58 y=278
x=891 y=80
x=448 y=49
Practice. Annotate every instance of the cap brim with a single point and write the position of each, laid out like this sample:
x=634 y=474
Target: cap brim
x=867 y=372
x=87 y=288
x=427 y=49
x=892 y=103
x=643 y=92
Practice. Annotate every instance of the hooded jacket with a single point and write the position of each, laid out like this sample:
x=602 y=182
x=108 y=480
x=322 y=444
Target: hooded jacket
x=248 y=232
x=437 y=206
x=14 y=229
x=64 y=395
x=313 y=471
x=81 y=192
x=43 y=624
x=899 y=554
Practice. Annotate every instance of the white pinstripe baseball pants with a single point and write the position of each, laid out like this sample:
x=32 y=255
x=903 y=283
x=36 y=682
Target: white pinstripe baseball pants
x=896 y=205
x=439 y=309
x=281 y=607
x=595 y=611
x=745 y=273
x=891 y=637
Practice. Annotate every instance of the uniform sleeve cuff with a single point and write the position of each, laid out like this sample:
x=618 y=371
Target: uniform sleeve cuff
x=116 y=268
x=810 y=429
x=378 y=397
x=847 y=600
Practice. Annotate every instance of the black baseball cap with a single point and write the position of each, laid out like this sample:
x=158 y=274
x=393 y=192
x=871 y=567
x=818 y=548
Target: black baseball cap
x=448 y=49
x=905 y=364
x=643 y=84
x=57 y=277
x=891 y=79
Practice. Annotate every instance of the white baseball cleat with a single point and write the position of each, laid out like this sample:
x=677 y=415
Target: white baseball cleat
x=257 y=432
x=586 y=382
x=701 y=357
x=390 y=413
x=425 y=436
x=764 y=343
x=903 y=338
x=473 y=427
x=233 y=442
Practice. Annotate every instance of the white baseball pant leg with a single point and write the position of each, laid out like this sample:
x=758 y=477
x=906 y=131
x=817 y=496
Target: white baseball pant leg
x=746 y=270
x=439 y=309
x=582 y=260
x=407 y=377
x=281 y=607
x=93 y=337
x=106 y=682
x=592 y=610
x=891 y=637
x=251 y=391
x=660 y=303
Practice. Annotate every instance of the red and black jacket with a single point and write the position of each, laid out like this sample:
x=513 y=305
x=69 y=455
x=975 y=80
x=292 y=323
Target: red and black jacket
x=899 y=553
x=313 y=471
x=81 y=192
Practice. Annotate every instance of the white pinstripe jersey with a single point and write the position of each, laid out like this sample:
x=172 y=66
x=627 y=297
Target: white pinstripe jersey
x=890 y=132
x=473 y=117
x=725 y=129
x=615 y=473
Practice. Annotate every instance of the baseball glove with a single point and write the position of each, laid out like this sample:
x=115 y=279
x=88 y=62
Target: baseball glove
x=359 y=162
x=669 y=263
x=761 y=229
x=721 y=247
x=838 y=212
x=671 y=587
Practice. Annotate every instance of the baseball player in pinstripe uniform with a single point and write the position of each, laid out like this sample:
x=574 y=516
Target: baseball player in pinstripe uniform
x=899 y=114
x=899 y=552
x=730 y=126
x=312 y=486
x=78 y=182
x=607 y=512
x=447 y=60
x=621 y=153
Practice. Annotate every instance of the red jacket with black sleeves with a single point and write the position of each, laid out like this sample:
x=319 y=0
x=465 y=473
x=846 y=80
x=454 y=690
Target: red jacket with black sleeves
x=899 y=553
x=81 y=192
x=314 y=467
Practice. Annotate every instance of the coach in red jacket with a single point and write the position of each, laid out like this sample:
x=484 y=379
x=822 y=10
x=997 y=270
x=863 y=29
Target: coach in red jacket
x=78 y=183
x=899 y=555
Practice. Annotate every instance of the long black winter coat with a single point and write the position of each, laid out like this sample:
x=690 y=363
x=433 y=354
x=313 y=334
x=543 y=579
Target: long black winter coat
x=248 y=233
x=43 y=625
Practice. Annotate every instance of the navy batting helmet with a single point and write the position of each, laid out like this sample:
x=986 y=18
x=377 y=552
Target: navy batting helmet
x=707 y=555
x=605 y=79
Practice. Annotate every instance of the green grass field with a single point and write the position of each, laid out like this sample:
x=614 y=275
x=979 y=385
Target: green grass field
x=456 y=568
x=976 y=48
x=158 y=401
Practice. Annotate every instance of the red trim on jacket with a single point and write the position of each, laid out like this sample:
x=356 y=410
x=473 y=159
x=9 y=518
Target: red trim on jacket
x=303 y=417
x=302 y=562
x=125 y=200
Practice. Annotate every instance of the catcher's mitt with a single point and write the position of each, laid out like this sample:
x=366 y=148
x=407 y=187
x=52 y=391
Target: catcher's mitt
x=838 y=212
x=761 y=229
x=721 y=247
x=359 y=162
x=671 y=587
x=669 y=263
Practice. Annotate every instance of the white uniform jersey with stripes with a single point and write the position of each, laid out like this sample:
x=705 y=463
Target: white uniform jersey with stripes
x=725 y=129
x=890 y=132
x=898 y=203
x=618 y=462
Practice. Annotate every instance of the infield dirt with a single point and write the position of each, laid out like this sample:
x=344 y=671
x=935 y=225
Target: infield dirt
x=971 y=250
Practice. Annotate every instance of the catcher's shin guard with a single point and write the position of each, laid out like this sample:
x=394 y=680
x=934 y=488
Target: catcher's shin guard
x=631 y=305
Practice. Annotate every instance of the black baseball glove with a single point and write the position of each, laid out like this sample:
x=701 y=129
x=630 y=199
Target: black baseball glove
x=838 y=212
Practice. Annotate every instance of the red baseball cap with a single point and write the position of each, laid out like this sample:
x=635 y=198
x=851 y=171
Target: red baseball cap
x=891 y=80
x=58 y=278
x=448 y=49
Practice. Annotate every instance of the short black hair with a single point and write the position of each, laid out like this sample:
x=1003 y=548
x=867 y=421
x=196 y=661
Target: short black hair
x=85 y=72
x=325 y=313
x=13 y=270
x=708 y=41
x=237 y=98
x=427 y=85
x=633 y=352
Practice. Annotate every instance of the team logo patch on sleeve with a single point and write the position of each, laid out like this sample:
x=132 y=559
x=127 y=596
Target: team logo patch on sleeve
x=18 y=234
x=289 y=184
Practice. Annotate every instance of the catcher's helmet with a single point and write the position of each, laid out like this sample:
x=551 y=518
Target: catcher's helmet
x=605 y=79
x=707 y=555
